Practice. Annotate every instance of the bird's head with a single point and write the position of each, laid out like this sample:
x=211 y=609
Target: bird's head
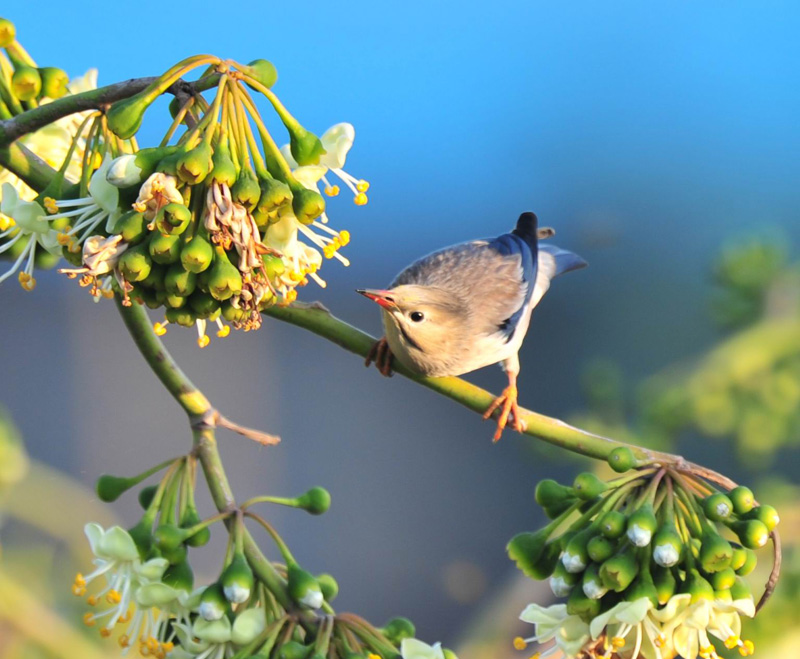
x=428 y=318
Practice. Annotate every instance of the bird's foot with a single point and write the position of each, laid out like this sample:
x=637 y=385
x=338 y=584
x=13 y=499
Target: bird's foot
x=381 y=354
x=507 y=403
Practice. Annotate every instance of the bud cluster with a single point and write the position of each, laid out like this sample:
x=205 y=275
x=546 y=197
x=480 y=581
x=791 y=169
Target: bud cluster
x=660 y=538
x=143 y=592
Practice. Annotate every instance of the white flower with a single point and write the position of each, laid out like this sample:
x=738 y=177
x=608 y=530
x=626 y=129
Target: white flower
x=124 y=171
x=666 y=555
x=559 y=586
x=411 y=648
x=626 y=620
x=207 y=639
x=573 y=562
x=156 y=192
x=100 y=256
x=569 y=632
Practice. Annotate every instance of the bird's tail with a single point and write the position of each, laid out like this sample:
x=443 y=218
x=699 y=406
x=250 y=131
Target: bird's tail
x=527 y=229
x=563 y=260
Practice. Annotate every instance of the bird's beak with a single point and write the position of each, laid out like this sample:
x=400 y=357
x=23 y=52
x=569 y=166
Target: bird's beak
x=383 y=298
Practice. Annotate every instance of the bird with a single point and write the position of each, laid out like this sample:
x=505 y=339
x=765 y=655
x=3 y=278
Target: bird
x=468 y=306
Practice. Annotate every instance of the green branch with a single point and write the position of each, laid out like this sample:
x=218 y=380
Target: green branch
x=26 y=165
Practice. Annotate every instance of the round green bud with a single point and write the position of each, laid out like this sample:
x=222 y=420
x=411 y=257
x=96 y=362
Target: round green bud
x=749 y=564
x=223 y=169
x=197 y=254
x=742 y=499
x=643 y=586
x=109 y=488
x=316 y=501
x=698 y=587
x=329 y=586
x=613 y=524
x=741 y=590
x=307 y=205
x=588 y=486
x=619 y=571
x=146 y=495
x=180 y=576
x=306 y=147
x=237 y=580
x=578 y=604
x=232 y=314
x=562 y=582
x=715 y=553
x=717 y=507
x=621 y=459
x=600 y=548
x=528 y=551
x=178 y=281
x=175 y=556
x=274 y=195
x=765 y=514
x=163 y=248
x=224 y=279
x=135 y=263
x=576 y=557
x=591 y=583
x=26 y=83
x=8 y=32
x=125 y=117
x=262 y=71
x=142 y=535
x=667 y=546
x=54 y=82
x=182 y=317
x=204 y=305
x=293 y=650
x=194 y=165
x=752 y=533
x=155 y=280
x=397 y=629
x=131 y=226
x=173 y=219
x=168 y=537
x=213 y=603
x=304 y=588
x=175 y=301
x=665 y=584
x=723 y=580
x=191 y=518
x=169 y=164
x=739 y=556
x=549 y=492
x=246 y=191
x=642 y=524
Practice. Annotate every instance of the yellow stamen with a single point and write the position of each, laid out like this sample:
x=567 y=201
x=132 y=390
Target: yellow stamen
x=113 y=597
x=203 y=341
x=105 y=632
x=747 y=648
x=74 y=247
x=169 y=646
x=618 y=642
x=63 y=239
x=26 y=281
x=79 y=580
x=124 y=641
x=160 y=329
x=107 y=293
x=372 y=655
x=51 y=205
x=224 y=331
x=5 y=222
x=332 y=190
x=519 y=643
x=290 y=296
x=362 y=186
x=732 y=641
x=88 y=619
x=344 y=237
x=360 y=199
x=91 y=600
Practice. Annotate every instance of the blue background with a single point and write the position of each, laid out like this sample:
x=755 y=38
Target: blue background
x=645 y=133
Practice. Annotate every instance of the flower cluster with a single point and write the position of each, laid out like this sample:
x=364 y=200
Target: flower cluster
x=142 y=592
x=651 y=564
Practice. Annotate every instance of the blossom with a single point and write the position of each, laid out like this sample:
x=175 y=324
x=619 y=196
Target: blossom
x=569 y=632
x=625 y=620
x=411 y=648
x=100 y=256
x=156 y=192
x=213 y=639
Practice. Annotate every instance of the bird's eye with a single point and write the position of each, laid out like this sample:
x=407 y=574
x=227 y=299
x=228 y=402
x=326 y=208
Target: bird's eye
x=417 y=316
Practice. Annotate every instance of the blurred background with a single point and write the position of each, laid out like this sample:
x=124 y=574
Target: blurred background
x=661 y=142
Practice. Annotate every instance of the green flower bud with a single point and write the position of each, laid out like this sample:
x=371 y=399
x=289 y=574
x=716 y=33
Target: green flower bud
x=135 y=263
x=613 y=524
x=578 y=604
x=739 y=556
x=600 y=548
x=146 y=495
x=182 y=317
x=164 y=248
x=742 y=499
x=232 y=314
x=592 y=585
x=131 y=226
x=191 y=518
x=194 y=165
x=306 y=147
x=643 y=586
x=307 y=205
x=549 y=493
x=223 y=169
x=125 y=117
x=749 y=563
x=588 y=486
x=273 y=265
x=213 y=603
x=173 y=219
x=155 y=280
x=723 y=580
x=642 y=524
x=109 y=488
x=169 y=164
x=329 y=586
x=179 y=281
x=752 y=533
x=667 y=545
x=204 y=305
x=304 y=588
x=316 y=501
x=665 y=584
x=224 y=279
x=765 y=514
x=621 y=459
x=262 y=71
x=175 y=301
x=274 y=195
x=26 y=83
x=168 y=537
x=177 y=555
x=54 y=82
x=715 y=553
x=526 y=549
x=246 y=190
x=142 y=534
x=180 y=576
x=397 y=629
x=8 y=33
x=698 y=587
x=197 y=254
x=741 y=590
x=575 y=557
x=562 y=582
x=717 y=507
x=237 y=580
x=619 y=571
x=293 y=650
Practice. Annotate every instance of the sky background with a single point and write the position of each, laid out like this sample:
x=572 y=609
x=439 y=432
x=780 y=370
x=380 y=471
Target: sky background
x=648 y=134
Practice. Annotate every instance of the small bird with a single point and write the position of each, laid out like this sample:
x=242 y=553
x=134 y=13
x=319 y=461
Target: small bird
x=468 y=306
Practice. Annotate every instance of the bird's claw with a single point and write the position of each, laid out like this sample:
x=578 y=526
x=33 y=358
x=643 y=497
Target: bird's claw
x=381 y=354
x=507 y=402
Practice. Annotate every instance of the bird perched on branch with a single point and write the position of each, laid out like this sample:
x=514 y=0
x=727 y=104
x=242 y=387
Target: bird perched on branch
x=468 y=306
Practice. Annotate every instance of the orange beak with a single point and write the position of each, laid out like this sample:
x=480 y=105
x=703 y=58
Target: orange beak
x=383 y=298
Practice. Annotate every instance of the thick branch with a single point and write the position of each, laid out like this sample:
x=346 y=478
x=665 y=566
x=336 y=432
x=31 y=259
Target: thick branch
x=26 y=165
